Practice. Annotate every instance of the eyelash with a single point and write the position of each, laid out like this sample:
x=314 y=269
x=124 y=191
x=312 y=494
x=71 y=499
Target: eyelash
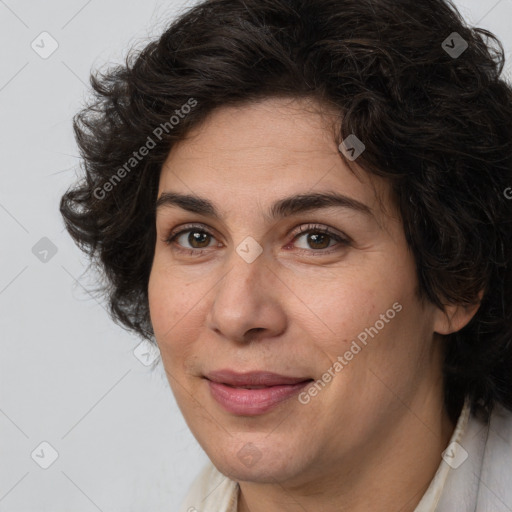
x=304 y=229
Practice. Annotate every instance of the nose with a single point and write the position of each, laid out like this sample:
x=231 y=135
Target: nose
x=248 y=302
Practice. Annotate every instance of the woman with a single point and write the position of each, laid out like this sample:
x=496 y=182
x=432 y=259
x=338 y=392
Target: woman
x=303 y=204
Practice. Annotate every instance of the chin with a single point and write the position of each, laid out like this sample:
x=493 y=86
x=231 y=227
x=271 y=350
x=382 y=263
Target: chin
x=257 y=461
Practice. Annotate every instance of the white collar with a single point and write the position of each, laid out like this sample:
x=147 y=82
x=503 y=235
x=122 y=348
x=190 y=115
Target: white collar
x=475 y=474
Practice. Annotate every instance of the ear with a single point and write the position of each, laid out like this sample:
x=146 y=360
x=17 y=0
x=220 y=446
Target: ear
x=454 y=317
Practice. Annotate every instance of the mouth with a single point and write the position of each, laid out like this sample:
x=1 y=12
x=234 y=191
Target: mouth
x=252 y=393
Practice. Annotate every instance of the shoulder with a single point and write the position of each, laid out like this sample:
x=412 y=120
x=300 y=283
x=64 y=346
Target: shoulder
x=211 y=491
x=479 y=479
x=501 y=425
x=498 y=448
x=495 y=489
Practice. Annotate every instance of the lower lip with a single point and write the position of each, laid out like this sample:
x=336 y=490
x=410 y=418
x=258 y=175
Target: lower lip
x=252 y=402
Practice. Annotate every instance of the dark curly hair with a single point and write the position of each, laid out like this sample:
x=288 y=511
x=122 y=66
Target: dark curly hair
x=434 y=115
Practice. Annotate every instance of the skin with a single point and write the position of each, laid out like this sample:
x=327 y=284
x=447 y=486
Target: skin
x=372 y=438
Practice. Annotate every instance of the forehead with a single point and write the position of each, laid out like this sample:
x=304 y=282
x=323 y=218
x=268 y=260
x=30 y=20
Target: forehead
x=260 y=152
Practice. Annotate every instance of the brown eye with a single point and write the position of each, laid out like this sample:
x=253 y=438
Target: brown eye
x=189 y=239
x=318 y=241
x=201 y=238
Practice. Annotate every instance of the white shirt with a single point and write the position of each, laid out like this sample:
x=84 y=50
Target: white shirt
x=475 y=474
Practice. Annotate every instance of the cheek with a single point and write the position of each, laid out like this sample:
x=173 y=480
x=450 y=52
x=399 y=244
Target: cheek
x=350 y=302
x=167 y=297
x=350 y=307
x=165 y=308
x=157 y=299
x=175 y=311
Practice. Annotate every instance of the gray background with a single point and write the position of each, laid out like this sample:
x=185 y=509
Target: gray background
x=69 y=376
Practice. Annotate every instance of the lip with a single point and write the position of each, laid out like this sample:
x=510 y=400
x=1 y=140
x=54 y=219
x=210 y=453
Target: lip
x=229 y=389
x=253 y=378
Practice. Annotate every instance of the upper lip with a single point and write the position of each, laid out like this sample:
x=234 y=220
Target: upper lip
x=253 y=378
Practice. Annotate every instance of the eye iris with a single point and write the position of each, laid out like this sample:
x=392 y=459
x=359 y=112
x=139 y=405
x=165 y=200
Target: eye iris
x=314 y=238
x=196 y=236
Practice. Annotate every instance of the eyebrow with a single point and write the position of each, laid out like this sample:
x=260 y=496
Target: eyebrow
x=282 y=208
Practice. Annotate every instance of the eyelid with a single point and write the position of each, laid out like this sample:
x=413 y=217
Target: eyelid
x=319 y=228
x=189 y=227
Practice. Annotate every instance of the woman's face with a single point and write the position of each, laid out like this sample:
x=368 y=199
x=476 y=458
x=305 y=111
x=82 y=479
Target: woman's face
x=256 y=289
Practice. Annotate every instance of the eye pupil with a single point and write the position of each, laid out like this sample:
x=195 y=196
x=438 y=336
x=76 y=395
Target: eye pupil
x=323 y=237
x=196 y=236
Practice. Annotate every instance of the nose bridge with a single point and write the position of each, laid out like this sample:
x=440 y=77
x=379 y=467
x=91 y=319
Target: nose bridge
x=243 y=298
x=245 y=277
